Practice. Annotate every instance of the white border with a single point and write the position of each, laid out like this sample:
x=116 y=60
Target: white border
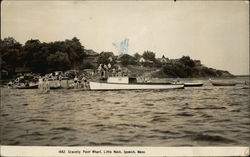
x=38 y=151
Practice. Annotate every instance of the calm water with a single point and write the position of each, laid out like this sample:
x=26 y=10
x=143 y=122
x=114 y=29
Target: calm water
x=201 y=116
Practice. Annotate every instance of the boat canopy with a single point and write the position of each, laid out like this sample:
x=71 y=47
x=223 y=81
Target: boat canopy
x=122 y=80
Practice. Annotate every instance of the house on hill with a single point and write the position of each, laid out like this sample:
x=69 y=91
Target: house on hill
x=163 y=59
x=142 y=60
x=145 y=62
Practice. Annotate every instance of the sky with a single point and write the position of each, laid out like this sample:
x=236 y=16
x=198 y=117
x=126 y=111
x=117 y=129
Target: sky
x=215 y=32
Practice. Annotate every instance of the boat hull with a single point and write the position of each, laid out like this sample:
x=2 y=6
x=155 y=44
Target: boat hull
x=118 y=86
x=223 y=84
x=27 y=87
x=193 y=84
x=189 y=84
x=218 y=83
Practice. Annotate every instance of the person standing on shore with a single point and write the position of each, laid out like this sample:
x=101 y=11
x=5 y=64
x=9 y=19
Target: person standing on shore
x=109 y=70
x=119 y=71
x=105 y=69
x=76 y=82
x=84 y=82
x=99 y=70
x=113 y=72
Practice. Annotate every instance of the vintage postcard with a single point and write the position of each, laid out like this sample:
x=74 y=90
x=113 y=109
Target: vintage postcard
x=124 y=78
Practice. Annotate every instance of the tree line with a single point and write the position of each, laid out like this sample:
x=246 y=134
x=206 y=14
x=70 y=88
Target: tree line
x=44 y=57
x=40 y=56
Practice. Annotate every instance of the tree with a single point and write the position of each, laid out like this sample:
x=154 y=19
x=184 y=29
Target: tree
x=9 y=50
x=30 y=52
x=39 y=56
x=58 y=61
x=127 y=60
x=148 y=55
x=104 y=58
x=187 y=61
x=75 y=51
x=137 y=56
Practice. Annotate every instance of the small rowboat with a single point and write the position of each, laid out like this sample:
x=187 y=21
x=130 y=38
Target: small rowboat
x=217 y=83
x=126 y=83
x=193 y=84
x=223 y=84
x=189 y=84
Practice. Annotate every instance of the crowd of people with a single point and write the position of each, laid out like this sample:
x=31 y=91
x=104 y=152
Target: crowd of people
x=107 y=70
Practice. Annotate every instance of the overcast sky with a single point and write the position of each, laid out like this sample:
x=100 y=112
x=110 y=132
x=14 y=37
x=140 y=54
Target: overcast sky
x=217 y=33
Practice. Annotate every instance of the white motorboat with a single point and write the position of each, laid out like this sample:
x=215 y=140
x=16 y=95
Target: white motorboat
x=126 y=83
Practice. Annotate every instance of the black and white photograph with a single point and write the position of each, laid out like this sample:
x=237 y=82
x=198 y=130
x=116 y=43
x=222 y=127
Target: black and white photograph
x=125 y=73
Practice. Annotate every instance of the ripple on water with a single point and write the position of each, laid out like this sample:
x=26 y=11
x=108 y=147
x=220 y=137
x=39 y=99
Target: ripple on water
x=234 y=104
x=163 y=137
x=205 y=115
x=160 y=112
x=102 y=144
x=184 y=114
x=14 y=143
x=86 y=104
x=131 y=125
x=63 y=129
x=158 y=119
x=236 y=110
x=238 y=94
x=123 y=139
x=57 y=138
x=98 y=125
x=4 y=115
x=33 y=134
x=165 y=131
x=37 y=120
x=215 y=116
x=209 y=108
x=208 y=98
x=211 y=138
x=149 y=104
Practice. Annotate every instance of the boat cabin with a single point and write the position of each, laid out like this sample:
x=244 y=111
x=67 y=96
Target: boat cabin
x=122 y=80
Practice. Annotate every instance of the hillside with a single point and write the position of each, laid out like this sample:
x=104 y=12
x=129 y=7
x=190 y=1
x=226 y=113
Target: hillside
x=183 y=67
x=40 y=57
x=196 y=72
